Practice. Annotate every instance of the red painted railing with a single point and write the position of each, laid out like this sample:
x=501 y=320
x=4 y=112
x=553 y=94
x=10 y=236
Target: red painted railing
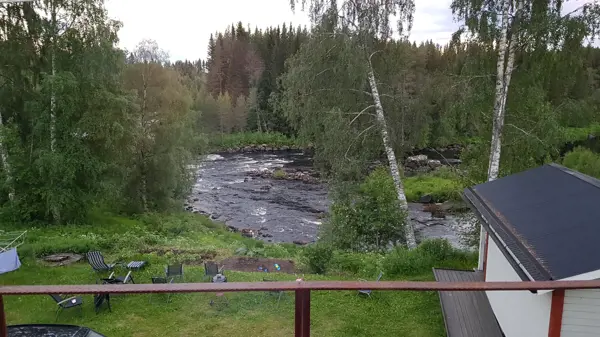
x=302 y=290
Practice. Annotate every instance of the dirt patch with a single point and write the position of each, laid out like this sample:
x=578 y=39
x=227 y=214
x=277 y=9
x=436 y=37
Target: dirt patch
x=255 y=264
x=61 y=259
x=193 y=256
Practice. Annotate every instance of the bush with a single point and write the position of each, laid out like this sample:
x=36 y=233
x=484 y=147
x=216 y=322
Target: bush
x=368 y=219
x=584 y=161
x=317 y=257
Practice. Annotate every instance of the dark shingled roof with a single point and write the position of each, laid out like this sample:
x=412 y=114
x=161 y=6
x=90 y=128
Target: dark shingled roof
x=547 y=217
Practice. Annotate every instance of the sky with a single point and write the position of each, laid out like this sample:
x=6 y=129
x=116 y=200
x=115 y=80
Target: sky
x=183 y=27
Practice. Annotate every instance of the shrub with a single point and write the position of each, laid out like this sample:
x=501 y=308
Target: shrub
x=584 y=161
x=368 y=219
x=317 y=257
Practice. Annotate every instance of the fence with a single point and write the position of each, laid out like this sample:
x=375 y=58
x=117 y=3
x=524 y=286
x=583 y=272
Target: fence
x=302 y=290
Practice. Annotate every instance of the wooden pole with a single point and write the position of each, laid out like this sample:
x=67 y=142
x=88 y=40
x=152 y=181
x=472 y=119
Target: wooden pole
x=302 y=319
x=3 y=326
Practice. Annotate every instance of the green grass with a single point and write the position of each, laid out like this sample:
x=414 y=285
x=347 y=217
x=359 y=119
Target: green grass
x=184 y=237
x=443 y=185
x=576 y=134
x=333 y=313
x=237 y=140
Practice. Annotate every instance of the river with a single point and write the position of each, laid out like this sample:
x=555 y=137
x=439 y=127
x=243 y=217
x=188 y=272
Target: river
x=228 y=189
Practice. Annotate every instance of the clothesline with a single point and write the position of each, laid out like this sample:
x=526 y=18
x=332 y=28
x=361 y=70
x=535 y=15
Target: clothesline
x=9 y=240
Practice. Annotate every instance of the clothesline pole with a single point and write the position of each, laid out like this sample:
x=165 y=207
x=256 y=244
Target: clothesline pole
x=3 y=327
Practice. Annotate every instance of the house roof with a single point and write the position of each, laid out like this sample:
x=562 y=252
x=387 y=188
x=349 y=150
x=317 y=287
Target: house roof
x=545 y=220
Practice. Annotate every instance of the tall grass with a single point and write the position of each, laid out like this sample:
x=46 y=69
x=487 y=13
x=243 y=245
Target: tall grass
x=443 y=184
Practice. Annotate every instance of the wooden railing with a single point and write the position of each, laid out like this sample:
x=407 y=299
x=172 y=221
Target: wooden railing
x=302 y=290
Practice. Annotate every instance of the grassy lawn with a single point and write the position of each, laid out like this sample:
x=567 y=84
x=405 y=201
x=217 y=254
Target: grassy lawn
x=182 y=238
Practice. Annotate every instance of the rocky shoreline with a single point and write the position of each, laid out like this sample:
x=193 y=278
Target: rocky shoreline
x=309 y=177
x=252 y=148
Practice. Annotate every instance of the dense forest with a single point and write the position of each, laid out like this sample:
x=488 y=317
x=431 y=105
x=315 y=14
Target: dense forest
x=88 y=125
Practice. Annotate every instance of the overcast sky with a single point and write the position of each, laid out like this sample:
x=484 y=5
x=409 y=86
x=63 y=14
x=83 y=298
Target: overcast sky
x=182 y=27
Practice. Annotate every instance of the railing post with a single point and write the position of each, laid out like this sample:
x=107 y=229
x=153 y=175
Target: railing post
x=3 y=326
x=302 y=318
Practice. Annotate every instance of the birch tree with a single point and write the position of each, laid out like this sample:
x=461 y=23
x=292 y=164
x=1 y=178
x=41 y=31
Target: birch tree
x=162 y=139
x=370 y=22
x=511 y=26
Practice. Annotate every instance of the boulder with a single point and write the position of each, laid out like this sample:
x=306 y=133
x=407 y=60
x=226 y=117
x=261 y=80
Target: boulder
x=421 y=159
x=249 y=233
x=426 y=199
x=454 y=207
x=432 y=163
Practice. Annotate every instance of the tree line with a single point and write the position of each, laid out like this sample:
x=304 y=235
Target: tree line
x=85 y=125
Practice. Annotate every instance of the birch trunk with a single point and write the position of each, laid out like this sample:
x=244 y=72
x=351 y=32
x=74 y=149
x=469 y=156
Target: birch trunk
x=144 y=183
x=498 y=116
x=144 y=186
x=6 y=164
x=391 y=156
x=53 y=95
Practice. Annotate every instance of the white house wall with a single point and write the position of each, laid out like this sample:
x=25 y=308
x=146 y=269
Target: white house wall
x=581 y=313
x=519 y=313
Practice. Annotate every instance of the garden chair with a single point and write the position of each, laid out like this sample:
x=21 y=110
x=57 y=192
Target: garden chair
x=278 y=293
x=368 y=292
x=96 y=260
x=161 y=280
x=67 y=303
x=119 y=279
x=174 y=271
x=211 y=269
